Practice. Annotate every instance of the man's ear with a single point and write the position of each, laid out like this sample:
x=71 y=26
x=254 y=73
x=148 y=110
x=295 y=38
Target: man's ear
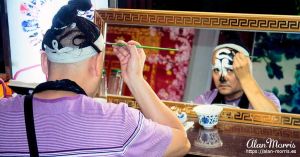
x=44 y=63
x=99 y=63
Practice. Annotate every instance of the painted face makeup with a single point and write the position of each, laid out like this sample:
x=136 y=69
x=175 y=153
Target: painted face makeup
x=223 y=61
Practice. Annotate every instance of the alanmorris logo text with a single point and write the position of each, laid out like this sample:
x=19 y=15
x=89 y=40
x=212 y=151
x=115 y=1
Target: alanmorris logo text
x=269 y=143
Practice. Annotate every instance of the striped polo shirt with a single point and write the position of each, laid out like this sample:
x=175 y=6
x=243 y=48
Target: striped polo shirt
x=79 y=126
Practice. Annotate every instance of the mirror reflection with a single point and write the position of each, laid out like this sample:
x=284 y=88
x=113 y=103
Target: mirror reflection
x=185 y=74
x=208 y=139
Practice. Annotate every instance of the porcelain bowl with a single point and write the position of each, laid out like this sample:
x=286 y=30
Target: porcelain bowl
x=208 y=115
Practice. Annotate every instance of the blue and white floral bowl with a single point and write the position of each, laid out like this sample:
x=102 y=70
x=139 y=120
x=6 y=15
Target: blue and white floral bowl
x=208 y=115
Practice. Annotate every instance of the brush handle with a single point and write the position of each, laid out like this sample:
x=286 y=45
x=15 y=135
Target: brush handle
x=144 y=47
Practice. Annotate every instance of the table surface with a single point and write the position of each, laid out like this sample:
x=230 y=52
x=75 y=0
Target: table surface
x=239 y=139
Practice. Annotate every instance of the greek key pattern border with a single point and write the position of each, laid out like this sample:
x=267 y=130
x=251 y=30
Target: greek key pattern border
x=257 y=131
x=261 y=118
x=228 y=114
x=262 y=22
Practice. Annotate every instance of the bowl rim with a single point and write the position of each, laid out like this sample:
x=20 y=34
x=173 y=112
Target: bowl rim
x=218 y=112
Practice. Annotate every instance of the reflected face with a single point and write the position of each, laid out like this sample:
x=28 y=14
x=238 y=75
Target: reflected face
x=223 y=76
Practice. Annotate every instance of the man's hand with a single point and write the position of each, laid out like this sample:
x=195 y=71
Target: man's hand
x=132 y=60
x=241 y=66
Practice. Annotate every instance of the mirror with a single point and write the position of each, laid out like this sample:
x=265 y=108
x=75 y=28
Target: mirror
x=272 y=38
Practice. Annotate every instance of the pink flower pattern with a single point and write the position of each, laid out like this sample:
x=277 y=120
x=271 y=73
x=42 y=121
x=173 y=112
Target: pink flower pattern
x=176 y=62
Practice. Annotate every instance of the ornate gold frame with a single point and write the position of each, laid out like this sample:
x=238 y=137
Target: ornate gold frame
x=228 y=114
x=250 y=22
x=234 y=21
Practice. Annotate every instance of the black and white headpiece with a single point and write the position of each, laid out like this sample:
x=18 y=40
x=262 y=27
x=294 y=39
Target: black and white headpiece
x=72 y=38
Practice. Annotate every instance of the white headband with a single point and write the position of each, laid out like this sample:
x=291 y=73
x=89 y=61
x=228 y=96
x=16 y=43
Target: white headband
x=233 y=46
x=72 y=54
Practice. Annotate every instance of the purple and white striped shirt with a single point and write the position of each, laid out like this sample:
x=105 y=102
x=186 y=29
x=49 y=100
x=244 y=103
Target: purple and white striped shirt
x=209 y=96
x=79 y=126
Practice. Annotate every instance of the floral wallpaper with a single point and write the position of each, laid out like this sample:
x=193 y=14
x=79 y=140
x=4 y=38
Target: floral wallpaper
x=166 y=71
x=174 y=63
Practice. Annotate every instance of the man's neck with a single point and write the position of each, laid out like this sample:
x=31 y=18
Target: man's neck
x=234 y=96
x=53 y=94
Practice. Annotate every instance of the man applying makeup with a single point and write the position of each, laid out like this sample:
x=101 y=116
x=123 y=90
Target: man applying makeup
x=235 y=84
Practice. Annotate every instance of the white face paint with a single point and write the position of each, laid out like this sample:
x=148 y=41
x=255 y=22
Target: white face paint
x=223 y=61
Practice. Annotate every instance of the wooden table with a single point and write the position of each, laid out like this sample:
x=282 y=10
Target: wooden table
x=239 y=139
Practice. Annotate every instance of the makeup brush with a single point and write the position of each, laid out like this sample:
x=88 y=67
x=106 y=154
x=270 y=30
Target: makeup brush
x=144 y=47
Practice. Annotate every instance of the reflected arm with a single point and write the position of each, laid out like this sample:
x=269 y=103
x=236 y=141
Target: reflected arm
x=254 y=93
x=256 y=96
